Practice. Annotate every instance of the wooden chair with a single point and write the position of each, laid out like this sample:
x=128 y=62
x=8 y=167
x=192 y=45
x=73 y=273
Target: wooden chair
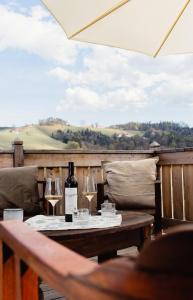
x=156 y=212
x=163 y=269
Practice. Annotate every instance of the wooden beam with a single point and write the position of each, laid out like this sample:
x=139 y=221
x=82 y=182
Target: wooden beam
x=18 y=156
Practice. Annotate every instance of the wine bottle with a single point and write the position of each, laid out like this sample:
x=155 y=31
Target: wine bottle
x=71 y=193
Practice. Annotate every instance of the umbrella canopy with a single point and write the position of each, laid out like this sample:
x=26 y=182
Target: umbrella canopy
x=153 y=27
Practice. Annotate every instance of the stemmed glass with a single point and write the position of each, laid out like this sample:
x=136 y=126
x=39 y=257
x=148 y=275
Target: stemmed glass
x=53 y=191
x=89 y=189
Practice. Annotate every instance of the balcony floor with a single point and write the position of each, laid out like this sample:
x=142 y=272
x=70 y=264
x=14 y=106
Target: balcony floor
x=48 y=293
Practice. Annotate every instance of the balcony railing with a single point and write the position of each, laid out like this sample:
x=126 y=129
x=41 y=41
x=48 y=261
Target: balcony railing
x=175 y=169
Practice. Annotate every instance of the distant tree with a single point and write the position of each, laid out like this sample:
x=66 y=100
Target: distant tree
x=167 y=134
x=52 y=121
x=72 y=145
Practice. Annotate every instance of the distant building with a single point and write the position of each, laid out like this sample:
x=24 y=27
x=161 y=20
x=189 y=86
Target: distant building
x=154 y=145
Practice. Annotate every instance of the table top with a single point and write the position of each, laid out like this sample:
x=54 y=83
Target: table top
x=131 y=220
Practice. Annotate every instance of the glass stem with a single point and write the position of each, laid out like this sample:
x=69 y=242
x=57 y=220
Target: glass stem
x=53 y=210
x=90 y=207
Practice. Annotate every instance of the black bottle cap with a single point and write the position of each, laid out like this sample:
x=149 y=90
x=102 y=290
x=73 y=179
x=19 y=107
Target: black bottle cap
x=68 y=218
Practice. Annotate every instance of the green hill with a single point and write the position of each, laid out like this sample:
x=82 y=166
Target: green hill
x=56 y=134
x=32 y=136
x=41 y=136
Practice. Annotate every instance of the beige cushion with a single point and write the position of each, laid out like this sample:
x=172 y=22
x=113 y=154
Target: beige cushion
x=18 y=188
x=131 y=183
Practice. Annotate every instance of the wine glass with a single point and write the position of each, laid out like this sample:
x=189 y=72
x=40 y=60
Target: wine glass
x=89 y=189
x=53 y=191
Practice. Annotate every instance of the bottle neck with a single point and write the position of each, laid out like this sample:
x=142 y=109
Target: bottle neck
x=71 y=169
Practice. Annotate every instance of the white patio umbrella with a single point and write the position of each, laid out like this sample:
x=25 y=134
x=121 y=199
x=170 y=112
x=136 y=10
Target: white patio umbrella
x=153 y=27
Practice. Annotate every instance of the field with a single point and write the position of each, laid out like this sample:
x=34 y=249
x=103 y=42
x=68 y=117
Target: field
x=32 y=136
x=40 y=136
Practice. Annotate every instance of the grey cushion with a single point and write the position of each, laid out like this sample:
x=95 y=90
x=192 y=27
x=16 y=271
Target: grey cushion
x=18 y=188
x=131 y=183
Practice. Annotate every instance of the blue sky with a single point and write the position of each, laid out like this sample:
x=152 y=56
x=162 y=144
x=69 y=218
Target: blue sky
x=43 y=74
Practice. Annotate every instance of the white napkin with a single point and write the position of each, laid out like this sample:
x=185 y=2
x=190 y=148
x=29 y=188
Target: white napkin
x=42 y=223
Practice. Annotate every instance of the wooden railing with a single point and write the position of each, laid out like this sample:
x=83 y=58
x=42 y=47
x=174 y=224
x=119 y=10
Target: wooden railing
x=175 y=168
x=56 y=162
x=176 y=171
x=26 y=256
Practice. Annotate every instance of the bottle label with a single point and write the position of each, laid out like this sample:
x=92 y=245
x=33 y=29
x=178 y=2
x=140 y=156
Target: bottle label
x=71 y=197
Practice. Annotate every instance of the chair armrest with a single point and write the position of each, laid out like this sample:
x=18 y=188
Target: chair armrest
x=100 y=194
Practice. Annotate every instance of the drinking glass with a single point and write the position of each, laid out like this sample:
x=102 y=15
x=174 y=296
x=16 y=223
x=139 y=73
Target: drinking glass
x=53 y=191
x=108 y=210
x=89 y=189
x=81 y=216
x=13 y=214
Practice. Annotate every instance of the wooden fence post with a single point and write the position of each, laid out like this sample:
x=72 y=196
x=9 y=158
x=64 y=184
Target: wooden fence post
x=18 y=155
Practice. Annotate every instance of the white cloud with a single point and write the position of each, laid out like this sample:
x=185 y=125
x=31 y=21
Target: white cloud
x=82 y=98
x=174 y=90
x=35 y=34
x=102 y=67
x=39 y=13
x=125 y=99
x=123 y=80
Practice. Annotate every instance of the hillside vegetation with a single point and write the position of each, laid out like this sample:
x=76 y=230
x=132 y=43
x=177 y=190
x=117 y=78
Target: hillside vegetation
x=57 y=134
x=32 y=136
x=44 y=135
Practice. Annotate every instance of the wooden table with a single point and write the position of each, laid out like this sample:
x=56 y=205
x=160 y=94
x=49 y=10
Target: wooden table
x=104 y=243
